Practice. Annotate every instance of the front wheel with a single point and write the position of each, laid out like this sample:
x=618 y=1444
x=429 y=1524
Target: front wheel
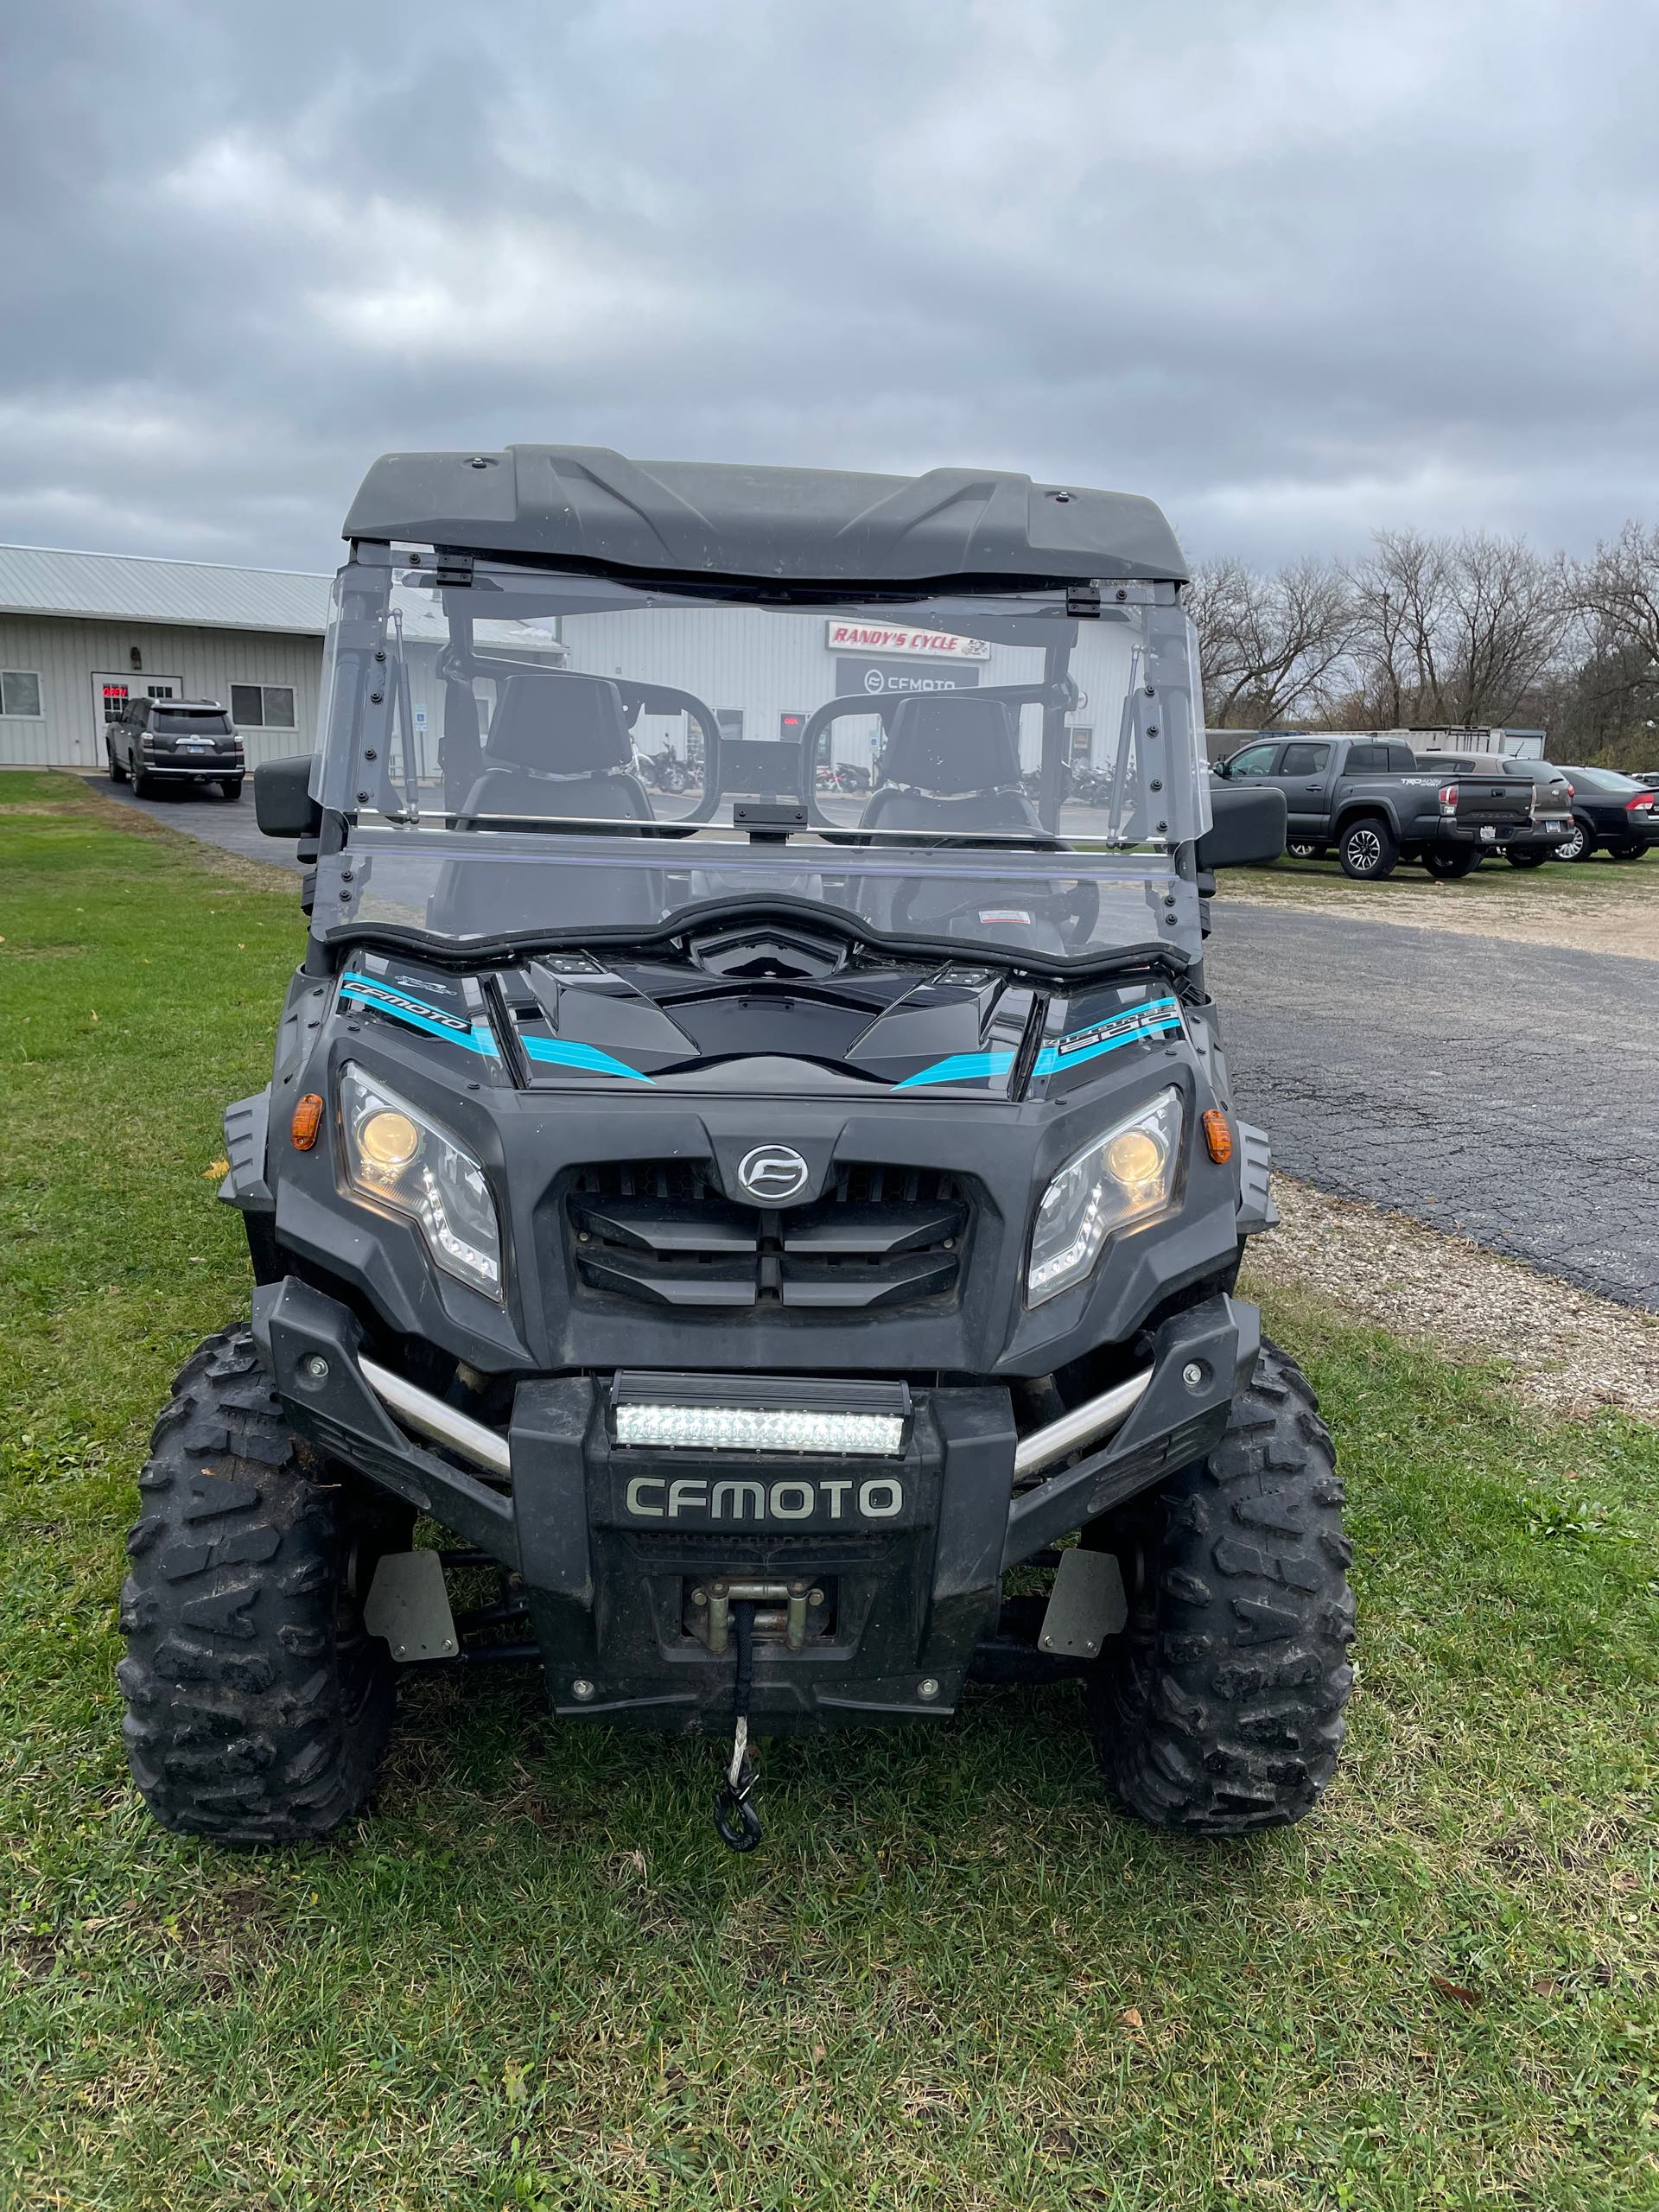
x=1368 y=850
x=257 y=1703
x=1450 y=866
x=1220 y=1707
x=117 y=773
x=1301 y=852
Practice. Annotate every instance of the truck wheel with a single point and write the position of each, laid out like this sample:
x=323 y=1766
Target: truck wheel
x=117 y=773
x=1367 y=850
x=1531 y=856
x=232 y=787
x=257 y=1704
x=1301 y=852
x=1219 y=1709
x=1578 y=847
x=1450 y=867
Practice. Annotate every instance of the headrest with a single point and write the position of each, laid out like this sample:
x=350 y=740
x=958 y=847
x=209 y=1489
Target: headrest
x=952 y=742
x=561 y=725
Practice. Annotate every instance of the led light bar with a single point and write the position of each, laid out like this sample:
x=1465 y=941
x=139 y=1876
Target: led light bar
x=717 y=1413
x=749 y=1429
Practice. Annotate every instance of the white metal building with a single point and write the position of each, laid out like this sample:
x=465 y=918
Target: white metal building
x=80 y=631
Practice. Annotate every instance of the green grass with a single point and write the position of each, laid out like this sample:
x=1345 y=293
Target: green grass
x=1598 y=882
x=951 y=1977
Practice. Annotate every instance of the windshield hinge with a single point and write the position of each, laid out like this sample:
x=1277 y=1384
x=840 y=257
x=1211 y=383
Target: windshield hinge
x=1082 y=598
x=444 y=568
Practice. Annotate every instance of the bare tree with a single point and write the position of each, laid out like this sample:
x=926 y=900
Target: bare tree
x=1454 y=631
x=1268 y=644
x=1618 y=590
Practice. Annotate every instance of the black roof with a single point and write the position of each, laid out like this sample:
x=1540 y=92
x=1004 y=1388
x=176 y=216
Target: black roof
x=585 y=505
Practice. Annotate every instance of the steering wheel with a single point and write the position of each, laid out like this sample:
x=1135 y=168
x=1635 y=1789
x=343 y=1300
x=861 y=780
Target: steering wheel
x=1073 y=912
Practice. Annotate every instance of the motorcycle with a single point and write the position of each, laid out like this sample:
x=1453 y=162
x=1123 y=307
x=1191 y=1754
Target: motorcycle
x=666 y=770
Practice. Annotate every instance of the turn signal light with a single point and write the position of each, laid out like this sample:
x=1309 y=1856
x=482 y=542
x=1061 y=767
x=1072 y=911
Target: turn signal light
x=1218 y=1133
x=308 y=1120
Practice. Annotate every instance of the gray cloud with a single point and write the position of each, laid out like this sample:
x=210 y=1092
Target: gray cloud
x=1295 y=270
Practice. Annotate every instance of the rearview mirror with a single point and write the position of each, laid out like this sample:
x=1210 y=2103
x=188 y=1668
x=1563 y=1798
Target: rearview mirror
x=282 y=805
x=1247 y=828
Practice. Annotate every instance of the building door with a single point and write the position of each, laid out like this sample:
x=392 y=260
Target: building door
x=112 y=692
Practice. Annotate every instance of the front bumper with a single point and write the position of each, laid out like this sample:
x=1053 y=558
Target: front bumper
x=611 y=1573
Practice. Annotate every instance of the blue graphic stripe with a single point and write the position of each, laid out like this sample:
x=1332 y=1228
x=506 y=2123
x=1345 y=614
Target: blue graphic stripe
x=588 y=1058
x=1158 y=1018
x=1049 y=1061
x=960 y=1067
x=380 y=999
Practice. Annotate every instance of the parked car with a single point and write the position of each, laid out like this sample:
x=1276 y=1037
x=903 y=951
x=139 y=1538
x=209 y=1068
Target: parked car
x=1552 y=799
x=156 y=742
x=1611 y=810
x=1374 y=803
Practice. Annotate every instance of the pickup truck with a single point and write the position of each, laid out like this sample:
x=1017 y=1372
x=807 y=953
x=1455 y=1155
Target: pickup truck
x=1374 y=803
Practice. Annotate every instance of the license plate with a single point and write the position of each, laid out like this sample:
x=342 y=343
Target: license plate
x=1489 y=836
x=194 y=745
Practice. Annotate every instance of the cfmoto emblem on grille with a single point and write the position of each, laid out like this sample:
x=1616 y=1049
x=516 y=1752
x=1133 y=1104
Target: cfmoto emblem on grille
x=771 y=1173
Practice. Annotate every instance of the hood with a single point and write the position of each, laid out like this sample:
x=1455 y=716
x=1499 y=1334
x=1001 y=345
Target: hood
x=567 y=1022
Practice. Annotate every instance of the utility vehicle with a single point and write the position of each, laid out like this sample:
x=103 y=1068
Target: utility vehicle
x=788 y=1239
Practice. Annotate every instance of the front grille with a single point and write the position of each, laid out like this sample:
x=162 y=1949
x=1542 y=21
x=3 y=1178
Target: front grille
x=661 y=1233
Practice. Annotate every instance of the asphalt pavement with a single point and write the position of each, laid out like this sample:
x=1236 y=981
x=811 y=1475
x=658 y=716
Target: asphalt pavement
x=1507 y=1092
x=200 y=811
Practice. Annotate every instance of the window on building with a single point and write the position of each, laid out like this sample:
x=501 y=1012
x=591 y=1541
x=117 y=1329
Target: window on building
x=20 y=692
x=731 y=723
x=262 y=706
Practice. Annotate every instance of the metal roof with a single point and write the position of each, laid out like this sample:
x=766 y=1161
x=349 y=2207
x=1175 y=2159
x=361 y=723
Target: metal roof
x=586 y=507
x=199 y=595
x=132 y=588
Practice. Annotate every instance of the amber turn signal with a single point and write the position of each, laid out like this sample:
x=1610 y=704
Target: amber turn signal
x=308 y=1120
x=1218 y=1133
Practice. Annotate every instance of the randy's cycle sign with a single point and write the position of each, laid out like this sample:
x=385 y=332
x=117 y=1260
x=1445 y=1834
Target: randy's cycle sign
x=899 y=640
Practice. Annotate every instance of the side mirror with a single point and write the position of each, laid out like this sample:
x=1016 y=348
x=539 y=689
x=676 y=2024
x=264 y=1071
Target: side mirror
x=1247 y=828
x=282 y=805
x=1220 y=768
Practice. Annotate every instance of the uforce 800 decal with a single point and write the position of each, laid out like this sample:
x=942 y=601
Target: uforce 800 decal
x=740 y=1501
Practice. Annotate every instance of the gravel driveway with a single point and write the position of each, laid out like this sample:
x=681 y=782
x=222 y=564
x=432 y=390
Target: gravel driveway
x=1507 y=1092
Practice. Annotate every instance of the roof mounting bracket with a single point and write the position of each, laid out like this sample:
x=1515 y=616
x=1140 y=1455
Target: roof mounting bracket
x=1082 y=598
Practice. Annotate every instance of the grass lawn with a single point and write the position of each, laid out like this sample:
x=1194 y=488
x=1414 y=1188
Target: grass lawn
x=1599 y=880
x=951 y=1977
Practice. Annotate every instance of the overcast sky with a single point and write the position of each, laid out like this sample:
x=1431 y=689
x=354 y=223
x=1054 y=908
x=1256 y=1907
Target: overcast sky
x=1294 y=269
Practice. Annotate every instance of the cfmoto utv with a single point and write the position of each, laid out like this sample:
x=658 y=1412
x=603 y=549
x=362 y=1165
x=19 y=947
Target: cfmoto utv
x=786 y=1235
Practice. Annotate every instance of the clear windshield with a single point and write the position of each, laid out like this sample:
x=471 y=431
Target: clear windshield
x=1054 y=909
x=866 y=744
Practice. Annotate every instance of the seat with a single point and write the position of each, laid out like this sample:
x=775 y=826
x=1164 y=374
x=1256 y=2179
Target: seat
x=559 y=744
x=952 y=762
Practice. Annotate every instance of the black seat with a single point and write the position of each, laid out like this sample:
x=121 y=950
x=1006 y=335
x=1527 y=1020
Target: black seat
x=952 y=762
x=558 y=744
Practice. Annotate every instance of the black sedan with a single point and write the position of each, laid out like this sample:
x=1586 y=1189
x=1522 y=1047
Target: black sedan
x=1610 y=811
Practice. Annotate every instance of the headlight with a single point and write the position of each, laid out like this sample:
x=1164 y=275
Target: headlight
x=1123 y=1178
x=396 y=1156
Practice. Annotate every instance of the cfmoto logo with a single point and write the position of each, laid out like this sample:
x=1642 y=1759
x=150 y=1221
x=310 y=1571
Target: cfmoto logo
x=771 y=1174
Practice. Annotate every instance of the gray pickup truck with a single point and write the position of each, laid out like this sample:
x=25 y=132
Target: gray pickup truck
x=1374 y=803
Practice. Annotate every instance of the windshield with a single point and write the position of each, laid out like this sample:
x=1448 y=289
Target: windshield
x=1605 y=780
x=846 y=754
